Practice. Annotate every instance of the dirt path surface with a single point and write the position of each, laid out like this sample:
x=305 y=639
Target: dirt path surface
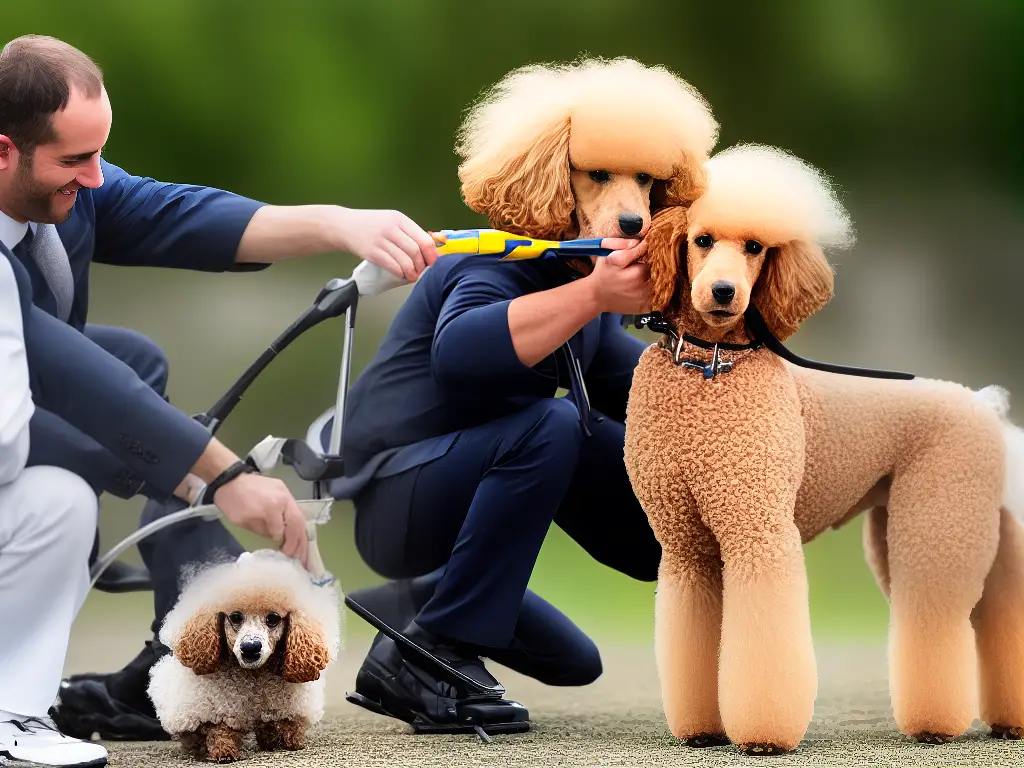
x=615 y=722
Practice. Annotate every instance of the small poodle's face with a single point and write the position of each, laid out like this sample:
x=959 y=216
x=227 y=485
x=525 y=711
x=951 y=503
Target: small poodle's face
x=252 y=637
x=612 y=204
x=723 y=268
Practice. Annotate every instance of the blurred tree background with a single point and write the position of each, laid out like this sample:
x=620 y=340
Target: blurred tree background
x=912 y=107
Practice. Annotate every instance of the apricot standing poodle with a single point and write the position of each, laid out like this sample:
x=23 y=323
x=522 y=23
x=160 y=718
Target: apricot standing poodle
x=737 y=470
x=249 y=642
x=584 y=149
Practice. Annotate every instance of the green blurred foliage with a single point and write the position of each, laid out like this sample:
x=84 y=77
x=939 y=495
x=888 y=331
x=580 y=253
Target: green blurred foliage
x=913 y=108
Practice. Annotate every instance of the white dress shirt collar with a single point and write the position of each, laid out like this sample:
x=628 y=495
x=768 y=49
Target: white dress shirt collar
x=11 y=231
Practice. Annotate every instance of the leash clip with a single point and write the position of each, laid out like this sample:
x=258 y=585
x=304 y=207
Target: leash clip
x=709 y=370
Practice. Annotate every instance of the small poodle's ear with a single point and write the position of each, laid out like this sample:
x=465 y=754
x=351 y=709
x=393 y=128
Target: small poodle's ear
x=795 y=282
x=200 y=646
x=689 y=182
x=666 y=253
x=306 y=653
x=528 y=192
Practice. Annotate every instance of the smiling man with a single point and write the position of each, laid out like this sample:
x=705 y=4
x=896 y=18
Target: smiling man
x=63 y=207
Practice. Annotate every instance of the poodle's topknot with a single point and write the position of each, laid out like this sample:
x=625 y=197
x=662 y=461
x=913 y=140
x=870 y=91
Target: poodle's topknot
x=770 y=194
x=524 y=134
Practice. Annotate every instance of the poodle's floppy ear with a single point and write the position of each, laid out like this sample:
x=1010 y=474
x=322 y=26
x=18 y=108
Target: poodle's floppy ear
x=201 y=644
x=666 y=252
x=306 y=653
x=687 y=183
x=795 y=282
x=528 y=190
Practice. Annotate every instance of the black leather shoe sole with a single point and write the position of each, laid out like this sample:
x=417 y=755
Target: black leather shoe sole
x=86 y=708
x=455 y=676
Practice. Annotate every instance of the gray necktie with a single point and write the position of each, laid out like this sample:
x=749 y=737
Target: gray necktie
x=49 y=254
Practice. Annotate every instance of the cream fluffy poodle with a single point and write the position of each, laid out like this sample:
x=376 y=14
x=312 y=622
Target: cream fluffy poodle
x=736 y=471
x=249 y=643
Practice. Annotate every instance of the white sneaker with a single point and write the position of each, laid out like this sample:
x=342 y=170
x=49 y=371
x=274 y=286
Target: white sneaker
x=37 y=740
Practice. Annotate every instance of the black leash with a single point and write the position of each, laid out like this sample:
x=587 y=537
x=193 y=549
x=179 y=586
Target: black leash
x=762 y=336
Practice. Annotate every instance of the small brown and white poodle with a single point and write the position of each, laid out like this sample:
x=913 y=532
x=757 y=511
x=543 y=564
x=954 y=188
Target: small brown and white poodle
x=737 y=471
x=250 y=641
x=585 y=149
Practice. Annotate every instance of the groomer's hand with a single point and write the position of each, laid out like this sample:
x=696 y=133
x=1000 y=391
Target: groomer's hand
x=265 y=506
x=620 y=284
x=389 y=239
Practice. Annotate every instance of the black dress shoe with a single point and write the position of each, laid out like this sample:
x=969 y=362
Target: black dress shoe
x=394 y=682
x=115 y=706
x=121 y=577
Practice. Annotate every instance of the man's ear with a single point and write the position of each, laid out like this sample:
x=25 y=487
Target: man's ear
x=8 y=153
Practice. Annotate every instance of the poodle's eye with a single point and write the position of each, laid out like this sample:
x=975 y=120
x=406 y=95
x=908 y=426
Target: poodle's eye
x=704 y=241
x=236 y=617
x=753 y=247
x=273 y=620
x=601 y=177
x=643 y=179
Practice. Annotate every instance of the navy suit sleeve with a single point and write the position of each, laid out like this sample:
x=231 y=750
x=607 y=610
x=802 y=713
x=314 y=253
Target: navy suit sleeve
x=142 y=222
x=472 y=344
x=98 y=394
x=610 y=373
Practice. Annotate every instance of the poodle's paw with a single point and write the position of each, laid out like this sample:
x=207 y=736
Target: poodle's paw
x=223 y=744
x=928 y=737
x=701 y=740
x=1007 y=732
x=281 y=734
x=758 y=749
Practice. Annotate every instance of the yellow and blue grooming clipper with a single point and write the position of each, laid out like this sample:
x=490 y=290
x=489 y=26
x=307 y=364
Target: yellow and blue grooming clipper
x=509 y=247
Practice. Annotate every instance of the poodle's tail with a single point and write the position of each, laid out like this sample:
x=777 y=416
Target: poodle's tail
x=998 y=399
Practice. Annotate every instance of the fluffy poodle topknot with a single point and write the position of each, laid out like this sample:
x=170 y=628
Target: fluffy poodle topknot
x=522 y=137
x=770 y=194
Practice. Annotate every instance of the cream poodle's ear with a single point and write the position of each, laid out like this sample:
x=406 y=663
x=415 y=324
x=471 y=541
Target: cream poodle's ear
x=201 y=643
x=306 y=653
x=666 y=253
x=689 y=182
x=795 y=282
x=528 y=191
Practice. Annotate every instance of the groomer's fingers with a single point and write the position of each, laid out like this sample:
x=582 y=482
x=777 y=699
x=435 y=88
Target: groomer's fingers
x=618 y=243
x=626 y=257
x=296 y=543
x=411 y=249
x=401 y=258
x=423 y=240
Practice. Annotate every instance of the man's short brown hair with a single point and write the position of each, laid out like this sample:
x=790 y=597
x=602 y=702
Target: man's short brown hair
x=37 y=74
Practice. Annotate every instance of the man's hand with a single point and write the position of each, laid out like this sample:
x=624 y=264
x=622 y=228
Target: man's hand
x=262 y=505
x=265 y=506
x=620 y=285
x=389 y=239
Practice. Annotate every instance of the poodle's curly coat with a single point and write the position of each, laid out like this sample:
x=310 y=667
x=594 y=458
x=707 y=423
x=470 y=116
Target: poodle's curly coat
x=526 y=134
x=200 y=692
x=736 y=472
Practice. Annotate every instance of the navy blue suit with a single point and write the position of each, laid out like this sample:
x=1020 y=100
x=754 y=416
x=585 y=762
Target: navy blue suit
x=98 y=394
x=459 y=458
x=138 y=221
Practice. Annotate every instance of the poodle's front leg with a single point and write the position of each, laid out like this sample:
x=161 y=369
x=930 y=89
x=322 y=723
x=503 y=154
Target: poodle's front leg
x=282 y=734
x=687 y=626
x=223 y=743
x=767 y=676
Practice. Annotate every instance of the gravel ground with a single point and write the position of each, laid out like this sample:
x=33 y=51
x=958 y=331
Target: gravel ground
x=617 y=721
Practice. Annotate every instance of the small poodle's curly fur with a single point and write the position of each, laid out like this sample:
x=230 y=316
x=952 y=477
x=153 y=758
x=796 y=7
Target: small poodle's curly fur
x=250 y=641
x=584 y=149
x=735 y=472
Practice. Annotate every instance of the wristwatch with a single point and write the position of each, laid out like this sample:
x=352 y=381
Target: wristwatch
x=225 y=477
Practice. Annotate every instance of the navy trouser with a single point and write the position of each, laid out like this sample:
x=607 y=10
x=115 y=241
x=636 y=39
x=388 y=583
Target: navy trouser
x=475 y=519
x=170 y=551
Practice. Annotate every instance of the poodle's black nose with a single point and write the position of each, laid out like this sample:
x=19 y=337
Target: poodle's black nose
x=251 y=650
x=723 y=291
x=630 y=224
